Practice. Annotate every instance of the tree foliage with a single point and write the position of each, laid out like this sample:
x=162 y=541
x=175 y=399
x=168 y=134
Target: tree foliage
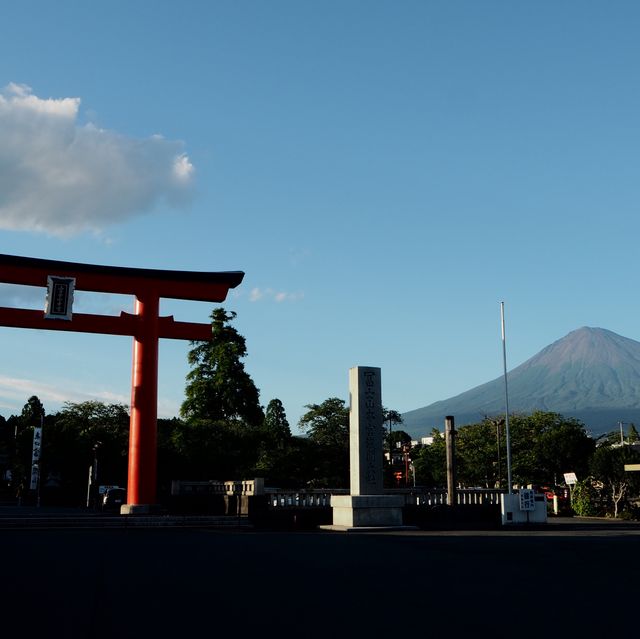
x=220 y=450
x=544 y=446
x=32 y=412
x=607 y=465
x=276 y=426
x=327 y=426
x=327 y=423
x=584 y=498
x=430 y=462
x=218 y=386
x=80 y=433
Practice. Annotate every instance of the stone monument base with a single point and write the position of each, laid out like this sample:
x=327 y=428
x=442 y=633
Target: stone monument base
x=140 y=509
x=367 y=512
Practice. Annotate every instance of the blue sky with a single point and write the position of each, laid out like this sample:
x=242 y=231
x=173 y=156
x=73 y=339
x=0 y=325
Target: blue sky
x=385 y=173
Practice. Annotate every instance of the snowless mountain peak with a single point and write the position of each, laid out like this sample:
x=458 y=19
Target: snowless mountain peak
x=591 y=373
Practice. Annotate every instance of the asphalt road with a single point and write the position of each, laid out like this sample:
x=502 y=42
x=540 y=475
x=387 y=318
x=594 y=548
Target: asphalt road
x=566 y=579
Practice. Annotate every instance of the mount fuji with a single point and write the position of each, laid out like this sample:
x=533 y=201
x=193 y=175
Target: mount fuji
x=591 y=374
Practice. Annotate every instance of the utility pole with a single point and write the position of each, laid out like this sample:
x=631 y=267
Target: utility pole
x=450 y=432
x=506 y=401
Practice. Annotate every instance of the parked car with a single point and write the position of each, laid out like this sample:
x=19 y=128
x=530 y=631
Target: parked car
x=113 y=498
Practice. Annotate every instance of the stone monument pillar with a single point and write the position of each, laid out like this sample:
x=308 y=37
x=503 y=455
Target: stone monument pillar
x=366 y=506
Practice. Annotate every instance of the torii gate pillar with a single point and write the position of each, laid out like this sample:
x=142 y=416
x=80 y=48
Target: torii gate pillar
x=146 y=326
x=141 y=484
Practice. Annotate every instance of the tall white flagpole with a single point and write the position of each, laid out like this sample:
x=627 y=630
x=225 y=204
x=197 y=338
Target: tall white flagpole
x=506 y=399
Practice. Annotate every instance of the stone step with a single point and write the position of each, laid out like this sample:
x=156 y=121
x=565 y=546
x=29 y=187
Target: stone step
x=123 y=521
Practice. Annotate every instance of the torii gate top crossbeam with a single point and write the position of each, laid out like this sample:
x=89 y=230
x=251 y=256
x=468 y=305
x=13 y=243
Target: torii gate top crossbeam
x=146 y=327
x=184 y=285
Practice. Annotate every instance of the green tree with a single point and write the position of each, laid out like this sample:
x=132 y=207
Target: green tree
x=327 y=427
x=32 y=412
x=276 y=446
x=476 y=455
x=607 y=465
x=298 y=463
x=222 y=450
x=76 y=436
x=545 y=445
x=171 y=465
x=276 y=426
x=327 y=423
x=390 y=418
x=218 y=386
x=584 y=498
x=430 y=462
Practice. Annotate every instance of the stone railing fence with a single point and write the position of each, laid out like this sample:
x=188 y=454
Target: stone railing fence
x=464 y=496
x=247 y=487
x=279 y=498
x=317 y=498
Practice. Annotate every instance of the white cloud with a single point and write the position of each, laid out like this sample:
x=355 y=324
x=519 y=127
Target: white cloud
x=13 y=388
x=15 y=391
x=257 y=294
x=15 y=295
x=183 y=169
x=63 y=178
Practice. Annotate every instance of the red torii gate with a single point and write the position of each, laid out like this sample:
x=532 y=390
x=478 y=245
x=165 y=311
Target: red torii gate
x=146 y=326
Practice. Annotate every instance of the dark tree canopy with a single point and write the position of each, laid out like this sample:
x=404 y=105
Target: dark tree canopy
x=327 y=428
x=276 y=425
x=218 y=386
x=80 y=429
x=327 y=423
x=430 y=462
x=544 y=446
x=32 y=411
x=391 y=417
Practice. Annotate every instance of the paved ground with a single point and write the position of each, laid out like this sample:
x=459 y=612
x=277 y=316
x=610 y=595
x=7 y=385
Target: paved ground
x=570 y=578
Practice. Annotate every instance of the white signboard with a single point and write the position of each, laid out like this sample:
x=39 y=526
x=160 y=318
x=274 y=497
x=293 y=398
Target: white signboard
x=527 y=499
x=35 y=457
x=570 y=479
x=59 y=304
